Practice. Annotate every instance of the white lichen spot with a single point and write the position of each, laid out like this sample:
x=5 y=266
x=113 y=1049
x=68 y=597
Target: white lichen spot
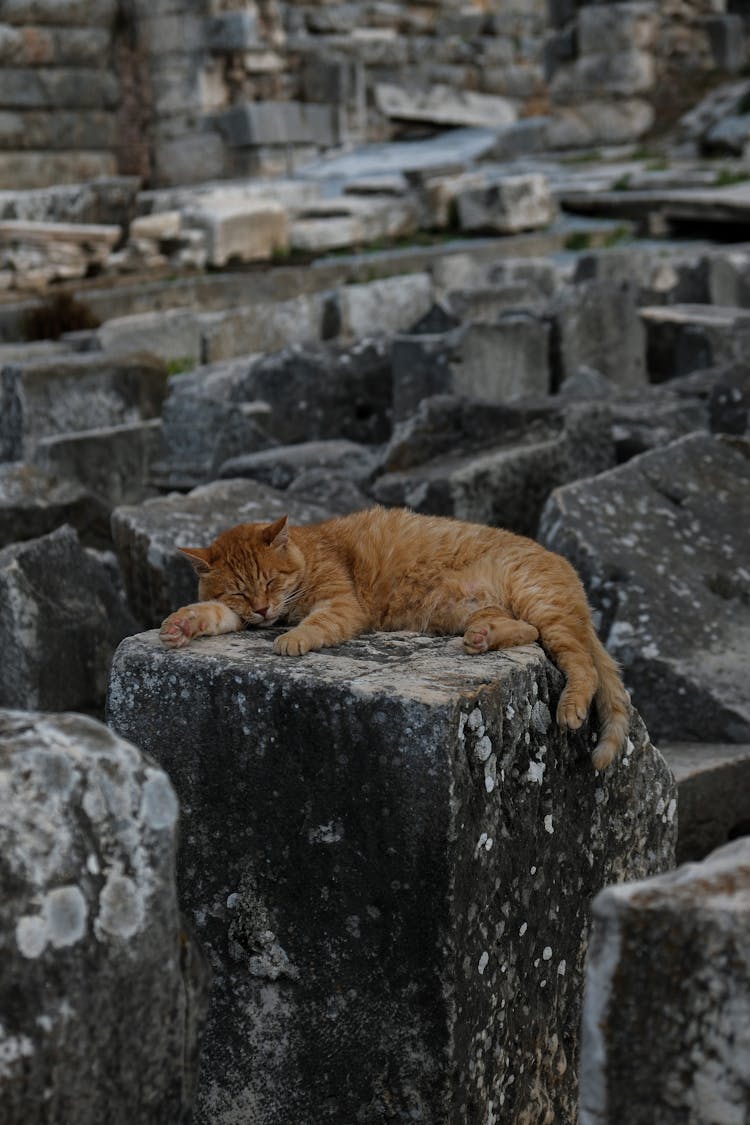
x=61 y=922
x=523 y=928
x=629 y=747
x=92 y=864
x=483 y=962
x=509 y=712
x=490 y=773
x=548 y=826
x=121 y=909
x=65 y=913
x=461 y=724
x=536 y=772
x=13 y=1049
x=232 y=900
x=661 y=804
x=31 y=935
x=547 y=953
x=671 y=810
x=532 y=870
x=476 y=721
x=158 y=802
x=488 y=844
x=483 y=748
x=561 y=968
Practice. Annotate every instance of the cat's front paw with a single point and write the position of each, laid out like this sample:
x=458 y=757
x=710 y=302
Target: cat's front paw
x=295 y=643
x=180 y=627
x=572 y=709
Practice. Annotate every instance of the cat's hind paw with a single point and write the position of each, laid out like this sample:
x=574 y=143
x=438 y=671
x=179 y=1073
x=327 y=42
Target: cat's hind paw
x=571 y=710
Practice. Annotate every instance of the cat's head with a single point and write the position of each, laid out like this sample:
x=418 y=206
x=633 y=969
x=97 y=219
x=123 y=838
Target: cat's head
x=254 y=568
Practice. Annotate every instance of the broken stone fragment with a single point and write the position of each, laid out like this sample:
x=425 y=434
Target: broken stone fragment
x=61 y=618
x=662 y=544
x=97 y=974
x=388 y=849
x=667 y=1004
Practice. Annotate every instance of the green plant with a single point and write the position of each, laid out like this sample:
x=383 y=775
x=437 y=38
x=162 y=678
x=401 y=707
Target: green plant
x=180 y=365
x=725 y=177
x=578 y=240
x=623 y=183
x=616 y=236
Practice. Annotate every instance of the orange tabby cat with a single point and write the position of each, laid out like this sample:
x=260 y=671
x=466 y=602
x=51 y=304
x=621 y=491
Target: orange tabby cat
x=393 y=569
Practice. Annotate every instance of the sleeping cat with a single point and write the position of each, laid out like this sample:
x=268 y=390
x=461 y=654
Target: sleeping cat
x=389 y=568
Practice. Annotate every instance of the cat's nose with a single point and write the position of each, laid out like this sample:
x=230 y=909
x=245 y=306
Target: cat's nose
x=262 y=610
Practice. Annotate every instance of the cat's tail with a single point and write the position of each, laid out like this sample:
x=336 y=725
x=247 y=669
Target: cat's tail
x=613 y=708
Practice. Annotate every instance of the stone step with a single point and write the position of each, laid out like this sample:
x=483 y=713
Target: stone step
x=685 y=338
x=713 y=784
x=668 y=979
x=388 y=849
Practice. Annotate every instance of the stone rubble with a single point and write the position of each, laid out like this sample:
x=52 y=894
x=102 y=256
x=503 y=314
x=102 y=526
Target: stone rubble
x=467 y=321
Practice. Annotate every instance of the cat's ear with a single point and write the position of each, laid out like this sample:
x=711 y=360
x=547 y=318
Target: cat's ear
x=277 y=534
x=200 y=558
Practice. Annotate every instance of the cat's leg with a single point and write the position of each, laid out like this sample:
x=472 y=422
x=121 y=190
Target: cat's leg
x=493 y=627
x=573 y=657
x=330 y=622
x=203 y=619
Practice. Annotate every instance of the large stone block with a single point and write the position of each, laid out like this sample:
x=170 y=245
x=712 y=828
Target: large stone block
x=662 y=544
x=507 y=484
x=113 y=463
x=167 y=333
x=443 y=105
x=55 y=88
x=75 y=392
x=389 y=305
x=42 y=169
x=33 y=503
x=685 y=338
x=102 y=991
x=713 y=794
x=388 y=850
x=61 y=618
x=246 y=232
x=597 y=324
x=667 y=1009
x=278 y=467
x=496 y=362
x=508 y=205
x=279 y=123
x=157 y=577
x=60 y=13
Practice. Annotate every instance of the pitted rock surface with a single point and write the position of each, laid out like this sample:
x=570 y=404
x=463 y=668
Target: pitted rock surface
x=662 y=544
x=388 y=850
x=94 y=963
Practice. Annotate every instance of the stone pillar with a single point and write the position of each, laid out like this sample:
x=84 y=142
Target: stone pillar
x=667 y=1008
x=388 y=850
x=101 y=989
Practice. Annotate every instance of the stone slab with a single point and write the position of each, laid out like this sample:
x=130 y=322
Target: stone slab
x=388 y=851
x=95 y=966
x=661 y=544
x=667 y=1003
x=443 y=105
x=33 y=503
x=713 y=783
x=113 y=463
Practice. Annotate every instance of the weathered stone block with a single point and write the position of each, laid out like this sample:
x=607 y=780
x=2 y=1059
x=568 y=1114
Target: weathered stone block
x=247 y=232
x=685 y=338
x=665 y=566
x=55 y=88
x=496 y=362
x=509 y=205
x=113 y=462
x=265 y=327
x=444 y=105
x=233 y=31
x=60 y=13
x=597 y=324
x=279 y=467
x=33 y=503
x=668 y=997
x=167 y=334
x=383 y=307
x=60 y=620
x=157 y=577
x=74 y=392
x=279 y=123
x=40 y=169
x=96 y=970
x=617 y=27
x=508 y=483
x=388 y=850
x=39 y=129
x=713 y=794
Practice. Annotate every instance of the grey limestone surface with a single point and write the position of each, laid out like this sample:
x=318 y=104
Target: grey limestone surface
x=34 y=502
x=667 y=1004
x=713 y=784
x=662 y=546
x=102 y=991
x=61 y=617
x=388 y=850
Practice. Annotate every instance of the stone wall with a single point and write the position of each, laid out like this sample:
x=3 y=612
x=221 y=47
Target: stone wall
x=186 y=90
